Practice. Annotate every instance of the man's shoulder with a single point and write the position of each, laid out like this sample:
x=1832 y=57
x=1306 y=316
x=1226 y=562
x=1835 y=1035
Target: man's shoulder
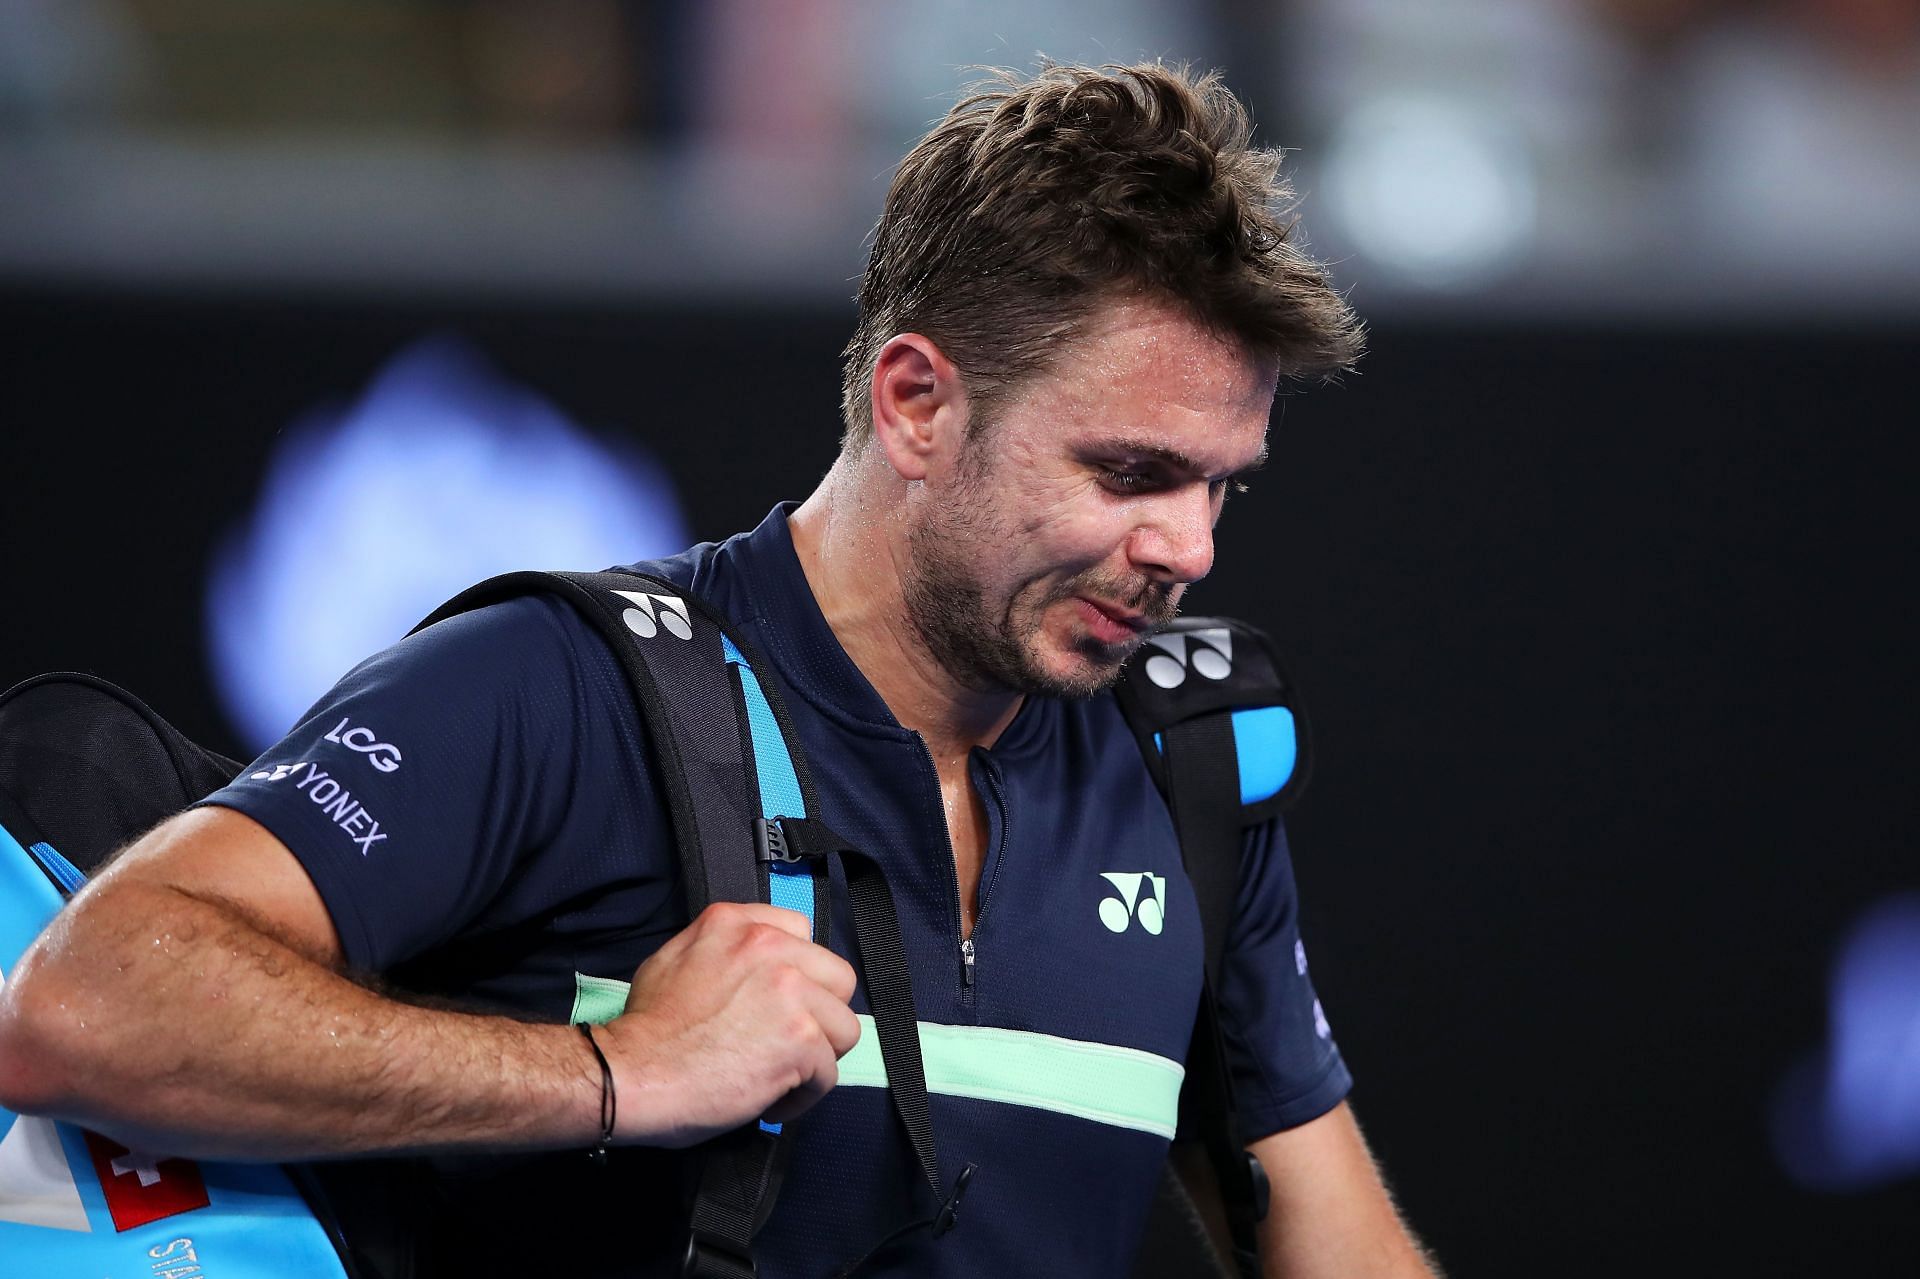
x=700 y=569
x=534 y=635
x=528 y=631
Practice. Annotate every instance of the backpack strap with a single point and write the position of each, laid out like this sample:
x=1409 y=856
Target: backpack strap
x=669 y=645
x=1224 y=739
x=741 y=803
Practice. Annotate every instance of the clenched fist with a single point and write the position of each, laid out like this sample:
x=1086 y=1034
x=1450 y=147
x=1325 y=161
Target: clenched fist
x=739 y=1017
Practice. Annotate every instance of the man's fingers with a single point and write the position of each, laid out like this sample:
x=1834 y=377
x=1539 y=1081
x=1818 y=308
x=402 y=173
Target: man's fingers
x=826 y=970
x=818 y=1083
x=750 y=1013
x=842 y=1028
x=729 y=915
x=815 y=962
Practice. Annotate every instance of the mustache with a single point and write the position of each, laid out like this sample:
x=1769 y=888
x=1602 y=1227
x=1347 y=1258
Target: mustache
x=1154 y=600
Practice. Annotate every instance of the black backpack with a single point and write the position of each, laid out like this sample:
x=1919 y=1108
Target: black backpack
x=85 y=767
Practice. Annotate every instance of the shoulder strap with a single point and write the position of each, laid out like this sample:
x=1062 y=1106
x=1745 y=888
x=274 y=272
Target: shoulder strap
x=670 y=646
x=741 y=803
x=1225 y=740
x=1222 y=734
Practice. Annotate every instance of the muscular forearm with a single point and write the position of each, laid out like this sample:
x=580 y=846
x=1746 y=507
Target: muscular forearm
x=1330 y=1215
x=169 y=1013
x=172 y=1022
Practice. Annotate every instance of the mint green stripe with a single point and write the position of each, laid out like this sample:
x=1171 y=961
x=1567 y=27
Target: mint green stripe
x=597 y=999
x=1122 y=1087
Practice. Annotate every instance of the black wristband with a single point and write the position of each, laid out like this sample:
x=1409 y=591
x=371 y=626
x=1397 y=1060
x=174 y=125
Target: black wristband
x=609 y=1104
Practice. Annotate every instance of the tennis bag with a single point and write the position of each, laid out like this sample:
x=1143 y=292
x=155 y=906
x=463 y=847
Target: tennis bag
x=85 y=767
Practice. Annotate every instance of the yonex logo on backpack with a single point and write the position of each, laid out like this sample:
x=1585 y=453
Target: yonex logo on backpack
x=652 y=612
x=1208 y=653
x=1151 y=910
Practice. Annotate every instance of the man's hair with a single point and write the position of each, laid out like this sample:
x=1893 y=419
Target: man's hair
x=1035 y=200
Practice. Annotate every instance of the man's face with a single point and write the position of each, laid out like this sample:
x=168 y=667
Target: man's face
x=1070 y=525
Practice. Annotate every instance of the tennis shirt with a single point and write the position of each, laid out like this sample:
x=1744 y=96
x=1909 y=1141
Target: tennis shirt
x=478 y=810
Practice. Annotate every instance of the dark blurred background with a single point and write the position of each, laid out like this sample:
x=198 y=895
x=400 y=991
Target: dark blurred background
x=1597 y=576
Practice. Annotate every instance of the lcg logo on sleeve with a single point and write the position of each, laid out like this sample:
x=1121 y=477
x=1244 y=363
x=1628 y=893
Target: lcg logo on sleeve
x=384 y=756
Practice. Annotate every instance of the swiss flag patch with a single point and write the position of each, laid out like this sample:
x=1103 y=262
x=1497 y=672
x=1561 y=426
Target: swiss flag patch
x=143 y=1188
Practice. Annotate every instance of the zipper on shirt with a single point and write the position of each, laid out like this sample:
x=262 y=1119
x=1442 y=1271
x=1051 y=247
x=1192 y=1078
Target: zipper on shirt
x=953 y=877
x=996 y=796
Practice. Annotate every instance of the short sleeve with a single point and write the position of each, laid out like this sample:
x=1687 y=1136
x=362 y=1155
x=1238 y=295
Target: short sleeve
x=1287 y=1069
x=412 y=789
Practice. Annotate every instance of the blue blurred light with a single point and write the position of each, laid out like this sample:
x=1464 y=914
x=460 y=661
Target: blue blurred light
x=444 y=473
x=1432 y=190
x=1848 y=1118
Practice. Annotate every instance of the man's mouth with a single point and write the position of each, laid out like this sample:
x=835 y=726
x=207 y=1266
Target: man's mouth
x=1112 y=623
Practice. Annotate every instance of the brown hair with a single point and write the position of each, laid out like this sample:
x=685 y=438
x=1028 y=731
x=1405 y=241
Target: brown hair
x=1035 y=199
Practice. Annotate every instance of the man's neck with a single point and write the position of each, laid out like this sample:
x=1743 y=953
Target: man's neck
x=853 y=550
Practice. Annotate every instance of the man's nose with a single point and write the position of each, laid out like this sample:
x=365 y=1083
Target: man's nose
x=1176 y=543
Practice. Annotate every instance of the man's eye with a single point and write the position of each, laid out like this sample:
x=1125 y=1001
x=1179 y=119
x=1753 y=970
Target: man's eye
x=1125 y=481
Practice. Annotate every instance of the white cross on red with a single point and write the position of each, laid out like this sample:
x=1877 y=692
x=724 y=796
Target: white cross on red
x=139 y=1164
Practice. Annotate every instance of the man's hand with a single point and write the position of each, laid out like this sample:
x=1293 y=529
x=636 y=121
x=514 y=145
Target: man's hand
x=739 y=1017
x=190 y=1000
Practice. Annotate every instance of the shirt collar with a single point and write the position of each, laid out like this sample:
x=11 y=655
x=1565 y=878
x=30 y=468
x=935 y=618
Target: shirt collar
x=775 y=607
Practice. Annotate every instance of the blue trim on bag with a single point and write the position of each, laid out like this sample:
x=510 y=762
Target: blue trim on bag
x=64 y=872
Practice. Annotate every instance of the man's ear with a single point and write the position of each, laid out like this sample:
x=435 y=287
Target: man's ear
x=919 y=405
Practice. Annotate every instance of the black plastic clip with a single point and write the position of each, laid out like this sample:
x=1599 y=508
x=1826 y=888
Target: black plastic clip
x=949 y=1215
x=770 y=842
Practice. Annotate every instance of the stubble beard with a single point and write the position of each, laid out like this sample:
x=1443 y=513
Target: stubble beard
x=947 y=606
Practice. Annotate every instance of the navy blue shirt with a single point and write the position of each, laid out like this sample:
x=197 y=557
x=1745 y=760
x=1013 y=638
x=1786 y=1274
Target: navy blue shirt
x=478 y=810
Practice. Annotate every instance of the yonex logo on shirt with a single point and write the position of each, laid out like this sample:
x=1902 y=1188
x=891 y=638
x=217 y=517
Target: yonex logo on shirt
x=1151 y=910
x=1208 y=653
x=335 y=800
x=652 y=612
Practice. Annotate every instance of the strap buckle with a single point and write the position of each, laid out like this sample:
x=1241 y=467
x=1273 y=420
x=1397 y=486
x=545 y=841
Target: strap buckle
x=770 y=842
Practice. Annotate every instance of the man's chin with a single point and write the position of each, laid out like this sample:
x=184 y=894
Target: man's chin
x=1081 y=670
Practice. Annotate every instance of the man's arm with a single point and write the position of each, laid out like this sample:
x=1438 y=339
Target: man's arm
x=190 y=1000
x=1330 y=1215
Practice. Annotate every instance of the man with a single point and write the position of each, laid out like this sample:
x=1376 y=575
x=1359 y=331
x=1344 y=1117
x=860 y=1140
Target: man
x=1078 y=305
